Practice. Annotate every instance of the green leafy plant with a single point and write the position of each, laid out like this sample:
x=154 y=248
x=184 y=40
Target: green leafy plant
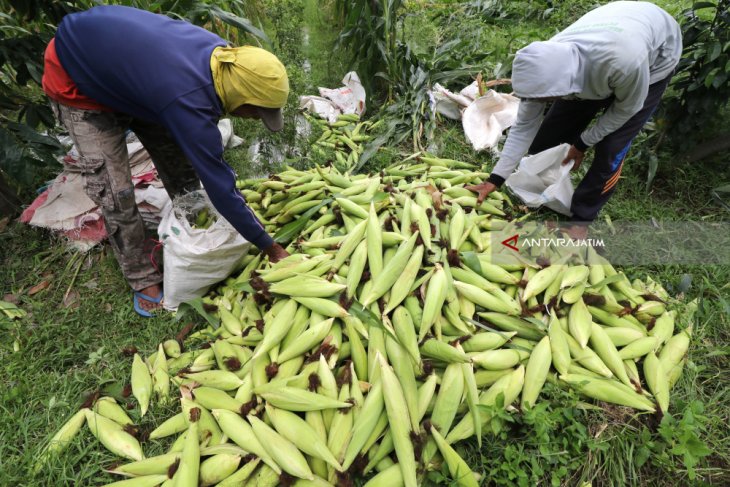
x=96 y=357
x=703 y=74
x=409 y=117
x=396 y=72
x=285 y=16
x=369 y=32
x=24 y=33
x=544 y=445
x=678 y=437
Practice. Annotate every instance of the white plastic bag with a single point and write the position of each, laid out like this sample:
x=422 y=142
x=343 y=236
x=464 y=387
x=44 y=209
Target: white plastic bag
x=541 y=180
x=195 y=259
x=447 y=103
x=321 y=106
x=229 y=139
x=487 y=117
x=350 y=98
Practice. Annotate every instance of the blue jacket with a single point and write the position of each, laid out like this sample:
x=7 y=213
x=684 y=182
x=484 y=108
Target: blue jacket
x=158 y=69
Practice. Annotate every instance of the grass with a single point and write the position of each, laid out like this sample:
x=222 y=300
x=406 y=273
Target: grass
x=66 y=352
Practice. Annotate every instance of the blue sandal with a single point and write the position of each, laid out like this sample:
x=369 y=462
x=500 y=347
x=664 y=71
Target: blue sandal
x=141 y=311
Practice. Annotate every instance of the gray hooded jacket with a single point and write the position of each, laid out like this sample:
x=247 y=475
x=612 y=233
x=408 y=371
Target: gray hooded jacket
x=617 y=50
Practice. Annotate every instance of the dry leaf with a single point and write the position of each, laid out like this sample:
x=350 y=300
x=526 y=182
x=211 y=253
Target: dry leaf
x=436 y=196
x=92 y=284
x=38 y=287
x=11 y=298
x=4 y=223
x=71 y=300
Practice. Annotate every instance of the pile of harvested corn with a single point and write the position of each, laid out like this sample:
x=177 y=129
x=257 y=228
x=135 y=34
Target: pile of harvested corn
x=345 y=138
x=384 y=339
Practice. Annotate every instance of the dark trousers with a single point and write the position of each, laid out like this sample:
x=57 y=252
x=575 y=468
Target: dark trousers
x=567 y=119
x=99 y=137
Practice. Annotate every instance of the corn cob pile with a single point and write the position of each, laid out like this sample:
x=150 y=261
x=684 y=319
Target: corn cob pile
x=378 y=345
x=346 y=137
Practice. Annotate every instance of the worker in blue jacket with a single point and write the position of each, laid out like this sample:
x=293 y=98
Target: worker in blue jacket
x=114 y=68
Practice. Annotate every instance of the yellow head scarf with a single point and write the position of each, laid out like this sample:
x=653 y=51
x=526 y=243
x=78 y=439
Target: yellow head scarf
x=248 y=76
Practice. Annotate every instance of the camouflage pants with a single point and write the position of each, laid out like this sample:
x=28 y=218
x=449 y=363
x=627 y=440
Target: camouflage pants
x=100 y=139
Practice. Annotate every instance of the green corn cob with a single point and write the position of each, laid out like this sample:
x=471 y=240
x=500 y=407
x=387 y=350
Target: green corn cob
x=536 y=372
x=481 y=342
x=113 y=437
x=211 y=398
x=306 y=286
x=508 y=387
x=292 y=399
x=240 y=432
x=217 y=468
x=472 y=398
x=402 y=286
x=399 y=423
x=391 y=270
x=608 y=354
x=284 y=453
x=587 y=357
x=171 y=426
x=62 y=438
x=390 y=477
x=365 y=423
x=406 y=375
x=357 y=265
x=207 y=427
x=579 y=323
x=486 y=300
x=458 y=468
x=444 y=352
x=657 y=380
x=301 y=435
x=149 y=466
x=219 y=379
x=108 y=407
x=435 y=297
x=447 y=403
x=241 y=475
x=638 y=348
x=277 y=329
x=524 y=329
x=141 y=383
x=608 y=390
x=675 y=349
x=622 y=336
x=324 y=307
x=307 y=340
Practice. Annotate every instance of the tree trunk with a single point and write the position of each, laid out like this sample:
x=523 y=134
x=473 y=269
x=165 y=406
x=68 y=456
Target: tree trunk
x=9 y=202
x=706 y=149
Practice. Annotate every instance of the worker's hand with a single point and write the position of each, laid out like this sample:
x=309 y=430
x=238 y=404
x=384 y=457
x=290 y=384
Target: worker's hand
x=482 y=190
x=574 y=155
x=275 y=253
